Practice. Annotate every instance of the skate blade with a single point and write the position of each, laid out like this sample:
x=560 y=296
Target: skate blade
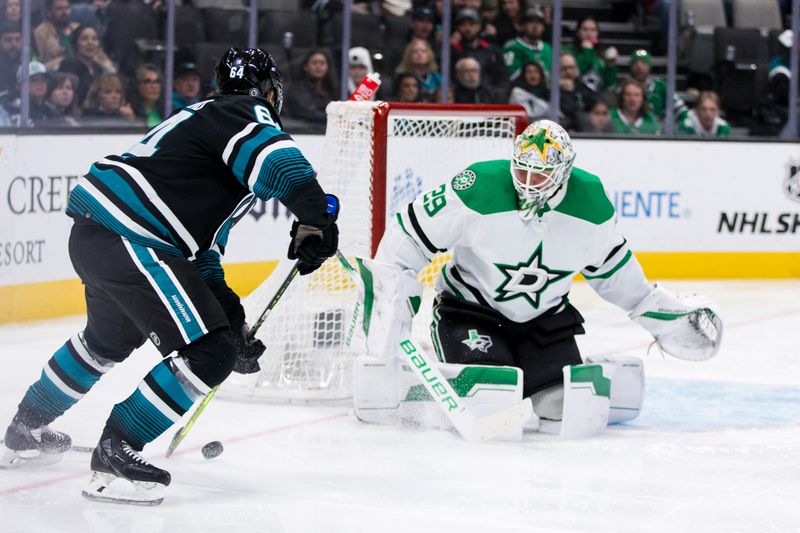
x=108 y=488
x=27 y=459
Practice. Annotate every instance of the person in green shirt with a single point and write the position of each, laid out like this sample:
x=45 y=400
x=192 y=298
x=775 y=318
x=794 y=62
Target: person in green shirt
x=528 y=46
x=704 y=119
x=147 y=95
x=633 y=115
x=596 y=73
x=656 y=88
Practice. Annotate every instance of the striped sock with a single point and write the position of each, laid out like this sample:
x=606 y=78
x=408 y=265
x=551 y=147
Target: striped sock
x=65 y=379
x=162 y=398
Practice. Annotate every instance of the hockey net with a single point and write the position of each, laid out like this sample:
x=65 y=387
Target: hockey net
x=379 y=157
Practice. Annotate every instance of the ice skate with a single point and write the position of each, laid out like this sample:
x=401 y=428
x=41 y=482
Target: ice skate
x=121 y=475
x=28 y=447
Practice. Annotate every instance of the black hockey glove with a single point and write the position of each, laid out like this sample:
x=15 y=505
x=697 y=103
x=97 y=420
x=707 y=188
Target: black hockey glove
x=311 y=245
x=247 y=350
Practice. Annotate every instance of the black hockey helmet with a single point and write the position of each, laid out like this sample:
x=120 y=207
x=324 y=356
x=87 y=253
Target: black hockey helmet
x=250 y=71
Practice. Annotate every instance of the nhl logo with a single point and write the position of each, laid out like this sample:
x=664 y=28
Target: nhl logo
x=791 y=183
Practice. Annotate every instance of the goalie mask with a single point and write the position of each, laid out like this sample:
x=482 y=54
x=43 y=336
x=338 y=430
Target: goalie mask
x=542 y=161
x=250 y=71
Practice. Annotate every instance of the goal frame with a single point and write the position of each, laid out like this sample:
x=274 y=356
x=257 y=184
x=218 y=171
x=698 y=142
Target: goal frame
x=380 y=132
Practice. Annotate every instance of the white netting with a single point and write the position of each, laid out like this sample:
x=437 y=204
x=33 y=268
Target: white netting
x=306 y=359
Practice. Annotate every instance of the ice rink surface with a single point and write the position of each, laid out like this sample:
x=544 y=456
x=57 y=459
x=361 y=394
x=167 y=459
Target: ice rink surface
x=717 y=448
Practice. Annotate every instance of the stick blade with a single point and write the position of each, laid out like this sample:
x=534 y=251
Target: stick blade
x=488 y=426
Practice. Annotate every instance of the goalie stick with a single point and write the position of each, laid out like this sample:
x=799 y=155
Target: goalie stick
x=469 y=425
x=183 y=431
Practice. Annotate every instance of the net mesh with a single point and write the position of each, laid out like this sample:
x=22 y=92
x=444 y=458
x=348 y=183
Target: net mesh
x=306 y=359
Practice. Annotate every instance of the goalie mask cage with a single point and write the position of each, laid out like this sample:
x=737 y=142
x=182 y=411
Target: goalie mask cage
x=379 y=157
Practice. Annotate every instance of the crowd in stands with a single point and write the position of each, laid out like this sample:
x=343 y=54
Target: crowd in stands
x=87 y=69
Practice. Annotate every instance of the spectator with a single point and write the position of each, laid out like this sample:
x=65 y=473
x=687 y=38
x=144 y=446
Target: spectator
x=469 y=87
x=10 y=51
x=774 y=108
x=704 y=120
x=105 y=103
x=530 y=91
x=420 y=27
x=633 y=115
x=656 y=88
x=507 y=24
x=418 y=59
x=529 y=46
x=185 y=86
x=596 y=73
x=146 y=96
x=61 y=96
x=315 y=87
x=93 y=13
x=467 y=43
x=596 y=119
x=52 y=36
x=37 y=89
x=12 y=11
x=88 y=60
x=575 y=95
x=359 y=64
x=407 y=88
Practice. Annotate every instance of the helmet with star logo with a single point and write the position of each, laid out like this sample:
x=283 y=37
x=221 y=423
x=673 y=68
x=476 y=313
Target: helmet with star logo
x=542 y=161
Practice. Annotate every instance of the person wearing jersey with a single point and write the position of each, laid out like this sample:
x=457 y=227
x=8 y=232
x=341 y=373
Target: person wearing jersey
x=150 y=226
x=519 y=231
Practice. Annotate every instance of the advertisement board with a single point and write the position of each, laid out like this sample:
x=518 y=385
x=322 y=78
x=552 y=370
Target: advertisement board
x=689 y=209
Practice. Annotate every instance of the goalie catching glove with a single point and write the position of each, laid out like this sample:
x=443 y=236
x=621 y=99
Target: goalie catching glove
x=686 y=327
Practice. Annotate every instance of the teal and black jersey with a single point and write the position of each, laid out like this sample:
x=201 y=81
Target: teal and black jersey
x=187 y=182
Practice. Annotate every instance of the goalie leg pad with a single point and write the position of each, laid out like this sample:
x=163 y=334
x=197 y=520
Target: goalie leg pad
x=627 y=386
x=386 y=391
x=586 y=403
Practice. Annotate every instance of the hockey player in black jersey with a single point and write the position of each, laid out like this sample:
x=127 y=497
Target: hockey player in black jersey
x=149 y=228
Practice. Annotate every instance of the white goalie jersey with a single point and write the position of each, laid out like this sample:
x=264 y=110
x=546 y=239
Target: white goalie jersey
x=521 y=268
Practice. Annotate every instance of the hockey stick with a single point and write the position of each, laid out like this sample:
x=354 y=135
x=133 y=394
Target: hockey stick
x=182 y=432
x=470 y=426
x=74 y=448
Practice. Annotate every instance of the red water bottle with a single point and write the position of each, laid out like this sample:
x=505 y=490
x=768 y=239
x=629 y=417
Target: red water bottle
x=367 y=88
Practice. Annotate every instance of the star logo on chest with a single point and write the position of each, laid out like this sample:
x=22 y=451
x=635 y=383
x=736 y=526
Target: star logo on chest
x=527 y=279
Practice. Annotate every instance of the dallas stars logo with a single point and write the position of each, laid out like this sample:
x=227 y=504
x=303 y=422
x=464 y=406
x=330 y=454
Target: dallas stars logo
x=482 y=343
x=540 y=141
x=527 y=279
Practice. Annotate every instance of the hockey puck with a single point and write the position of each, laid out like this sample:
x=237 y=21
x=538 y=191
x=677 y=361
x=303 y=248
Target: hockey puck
x=212 y=449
